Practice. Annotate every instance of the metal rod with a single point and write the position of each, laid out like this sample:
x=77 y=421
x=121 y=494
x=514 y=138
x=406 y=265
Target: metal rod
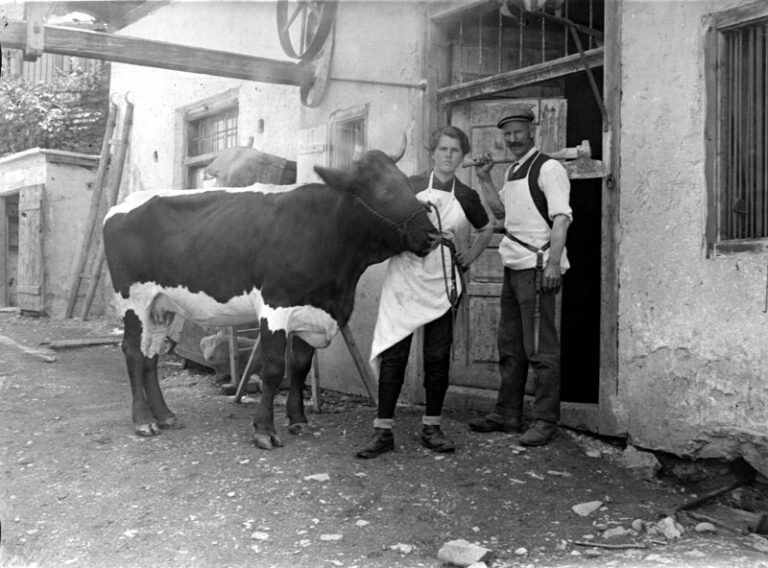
x=591 y=77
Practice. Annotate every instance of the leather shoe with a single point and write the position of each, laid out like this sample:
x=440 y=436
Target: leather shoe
x=382 y=442
x=491 y=423
x=432 y=437
x=539 y=434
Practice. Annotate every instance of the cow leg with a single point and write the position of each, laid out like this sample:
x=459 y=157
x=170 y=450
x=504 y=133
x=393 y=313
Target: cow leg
x=273 y=367
x=149 y=412
x=165 y=418
x=301 y=361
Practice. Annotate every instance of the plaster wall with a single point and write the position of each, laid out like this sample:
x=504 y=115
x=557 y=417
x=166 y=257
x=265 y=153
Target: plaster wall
x=379 y=42
x=692 y=350
x=155 y=154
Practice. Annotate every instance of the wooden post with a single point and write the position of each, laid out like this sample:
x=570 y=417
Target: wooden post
x=369 y=381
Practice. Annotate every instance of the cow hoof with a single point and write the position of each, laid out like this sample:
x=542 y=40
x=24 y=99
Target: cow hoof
x=146 y=430
x=266 y=441
x=299 y=428
x=170 y=423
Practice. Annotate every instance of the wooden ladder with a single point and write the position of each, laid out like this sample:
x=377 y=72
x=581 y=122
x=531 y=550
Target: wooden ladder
x=90 y=261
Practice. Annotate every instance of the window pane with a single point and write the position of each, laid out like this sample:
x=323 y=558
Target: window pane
x=349 y=142
x=212 y=133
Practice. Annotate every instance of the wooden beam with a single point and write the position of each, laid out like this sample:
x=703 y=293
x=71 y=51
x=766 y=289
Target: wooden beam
x=150 y=53
x=612 y=421
x=554 y=69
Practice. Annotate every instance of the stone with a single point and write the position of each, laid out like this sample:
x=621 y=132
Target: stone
x=318 y=477
x=478 y=565
x=667 y=527
x=330 y=537
x=461 y=552
x=638 y=525
x=642 y=464
x=705 y=528
x=586 y=509
x=403 y=548
x=522 y=551
x=259 y=535
x=615 y=532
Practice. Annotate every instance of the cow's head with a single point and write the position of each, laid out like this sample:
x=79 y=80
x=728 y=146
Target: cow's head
x=383 y=195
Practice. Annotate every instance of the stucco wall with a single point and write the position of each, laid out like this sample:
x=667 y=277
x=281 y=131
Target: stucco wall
x=374 y=41
x=154 y=159
x=692 y=349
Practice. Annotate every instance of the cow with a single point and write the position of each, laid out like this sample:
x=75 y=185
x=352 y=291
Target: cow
x=289 y=258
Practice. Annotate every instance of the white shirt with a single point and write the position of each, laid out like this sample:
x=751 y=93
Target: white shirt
x=523 y=219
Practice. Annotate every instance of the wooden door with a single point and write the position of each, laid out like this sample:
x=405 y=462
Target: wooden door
x=475 y=358
x=30 y=290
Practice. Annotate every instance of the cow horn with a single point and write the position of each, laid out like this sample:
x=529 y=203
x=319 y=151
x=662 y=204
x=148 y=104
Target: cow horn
x=400 y=151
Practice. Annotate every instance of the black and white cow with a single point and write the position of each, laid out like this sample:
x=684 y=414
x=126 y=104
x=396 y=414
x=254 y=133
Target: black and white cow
x=288 y=258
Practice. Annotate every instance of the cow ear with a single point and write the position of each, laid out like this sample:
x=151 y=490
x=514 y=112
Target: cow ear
x=336 y=179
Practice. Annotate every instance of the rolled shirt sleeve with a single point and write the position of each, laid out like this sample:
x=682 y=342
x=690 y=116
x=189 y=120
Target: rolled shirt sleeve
x=554 y=182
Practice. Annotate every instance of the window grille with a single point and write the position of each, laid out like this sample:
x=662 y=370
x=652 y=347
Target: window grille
x=743 y=138
x=210 y=126
x=213 y=133
x=497 y=37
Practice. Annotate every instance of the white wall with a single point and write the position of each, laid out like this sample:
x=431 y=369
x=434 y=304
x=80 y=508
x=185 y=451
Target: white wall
x=242 y=27
x=692 y=348
x=374 y=41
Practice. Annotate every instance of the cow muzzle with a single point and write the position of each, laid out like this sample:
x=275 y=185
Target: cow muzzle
x=421 y=237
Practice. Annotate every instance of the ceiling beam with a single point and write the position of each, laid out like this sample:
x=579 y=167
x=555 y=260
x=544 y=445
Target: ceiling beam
x=488 y=86
x=150 y=53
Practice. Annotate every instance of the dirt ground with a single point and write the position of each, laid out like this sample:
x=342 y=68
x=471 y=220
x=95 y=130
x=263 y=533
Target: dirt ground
x=80 y=489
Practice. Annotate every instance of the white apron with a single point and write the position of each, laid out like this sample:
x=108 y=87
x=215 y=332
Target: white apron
x=414 y=290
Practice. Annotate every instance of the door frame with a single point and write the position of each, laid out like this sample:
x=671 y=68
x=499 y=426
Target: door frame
x=604 y=417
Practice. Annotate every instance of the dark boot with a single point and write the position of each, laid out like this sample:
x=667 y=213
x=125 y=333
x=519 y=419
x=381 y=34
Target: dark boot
x=432 y=437
x=539 y=434
x=382 y=442
x=495 y=423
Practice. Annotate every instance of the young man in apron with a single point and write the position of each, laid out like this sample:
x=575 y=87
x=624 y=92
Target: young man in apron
x=534 y=203
x=417 y=292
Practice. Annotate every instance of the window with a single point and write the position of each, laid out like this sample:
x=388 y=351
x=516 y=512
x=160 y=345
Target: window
x=737 y=126
x=348 y=136
x=210 y=127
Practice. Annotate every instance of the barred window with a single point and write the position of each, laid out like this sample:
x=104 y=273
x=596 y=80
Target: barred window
x=209 y=127
x=738 y=124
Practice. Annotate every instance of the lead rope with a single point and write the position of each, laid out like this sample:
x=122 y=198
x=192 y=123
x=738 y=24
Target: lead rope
x=453 y=293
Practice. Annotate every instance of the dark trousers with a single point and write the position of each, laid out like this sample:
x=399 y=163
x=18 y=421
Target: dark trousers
x=438 y=335
x=516 y=346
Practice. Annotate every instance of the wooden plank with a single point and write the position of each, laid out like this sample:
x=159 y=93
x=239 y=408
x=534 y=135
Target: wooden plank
x=741 y=15
x=150 y=53
x=30 y=290
x=88 y=243
x=84 y=342
x=113 y=189
x=609 y=423
x=366 y=374
x=3 y=253
x=711 y=134
x=554 y=69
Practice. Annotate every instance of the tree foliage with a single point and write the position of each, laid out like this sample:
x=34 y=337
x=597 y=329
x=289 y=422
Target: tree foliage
x=68 y=113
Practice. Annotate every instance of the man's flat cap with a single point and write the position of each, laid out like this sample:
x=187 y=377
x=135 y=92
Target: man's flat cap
x=522 y=115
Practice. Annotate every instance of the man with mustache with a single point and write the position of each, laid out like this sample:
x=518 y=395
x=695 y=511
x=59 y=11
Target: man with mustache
x=534 y=204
